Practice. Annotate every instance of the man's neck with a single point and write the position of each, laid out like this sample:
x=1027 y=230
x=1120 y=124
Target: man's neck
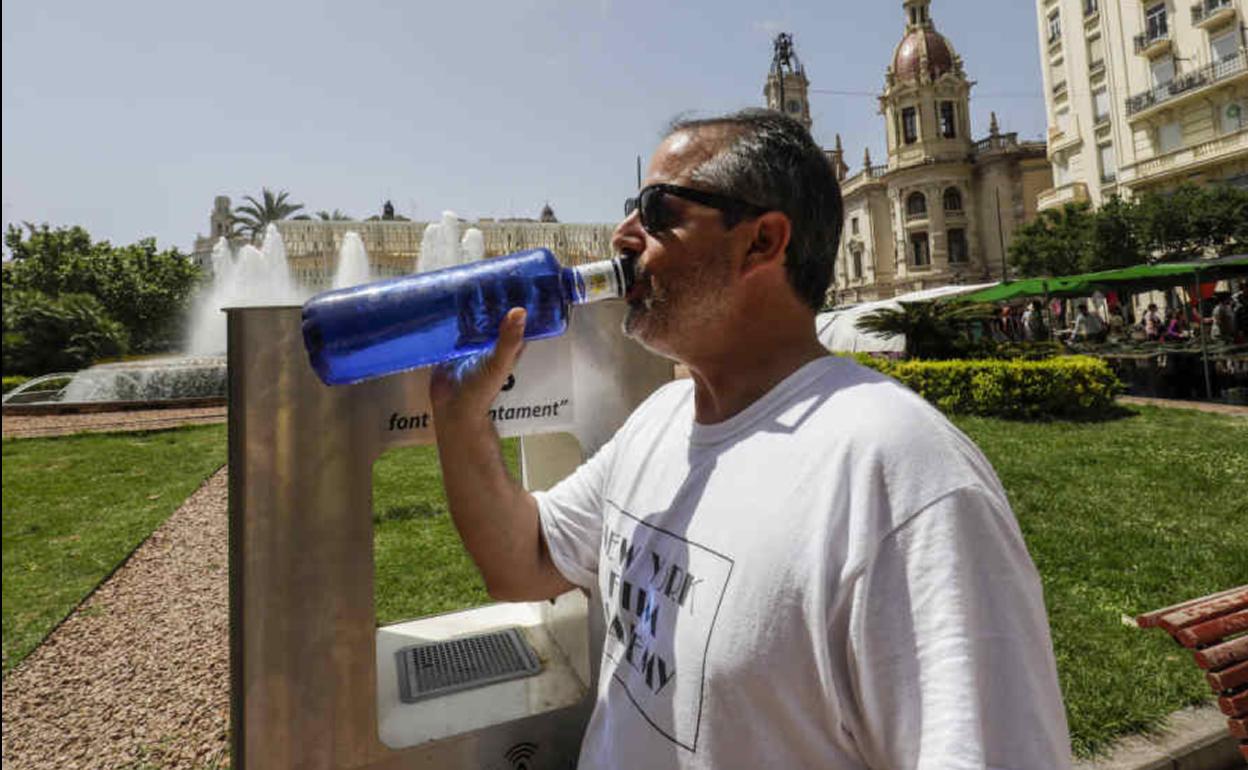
x=729 y=379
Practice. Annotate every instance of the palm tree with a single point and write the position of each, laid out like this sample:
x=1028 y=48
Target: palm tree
x=334 y=216
x=252 y=218
x=931 y=328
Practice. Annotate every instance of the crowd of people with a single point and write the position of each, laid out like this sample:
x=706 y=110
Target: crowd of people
x=1227 y=321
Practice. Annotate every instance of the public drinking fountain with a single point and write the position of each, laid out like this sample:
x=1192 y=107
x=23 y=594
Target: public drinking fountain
x=314 y=683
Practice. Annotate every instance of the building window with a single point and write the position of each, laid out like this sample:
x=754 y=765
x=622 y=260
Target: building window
x=1096 y=54
x=1100 y=105
x=909 y=125
x=794 y=107
x=1090 y=7
x=857 y=254
x=1055 y=26
x=948 y=120
x=1061 y=172
x=1062 y=119
x=1163 y=71
x=1109 y=164
x=916 y=206
x=1169 y=137
x=953 y=199
x=919 y=251
x=1234 y=116
x=958 y=251
x=1225 y=46
x=853 y=225
x=1156 y=23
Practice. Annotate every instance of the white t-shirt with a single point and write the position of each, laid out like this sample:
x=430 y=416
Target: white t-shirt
x=831 y=578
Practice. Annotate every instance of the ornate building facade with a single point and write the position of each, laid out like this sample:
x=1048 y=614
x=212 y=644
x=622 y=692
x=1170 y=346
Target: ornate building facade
x=944 y=207
x=1143 y=95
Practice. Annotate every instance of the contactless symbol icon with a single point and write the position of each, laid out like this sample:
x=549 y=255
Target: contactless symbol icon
x=520 y=754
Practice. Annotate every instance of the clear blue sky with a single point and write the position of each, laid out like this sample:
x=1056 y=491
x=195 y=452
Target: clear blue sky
x=128 y=117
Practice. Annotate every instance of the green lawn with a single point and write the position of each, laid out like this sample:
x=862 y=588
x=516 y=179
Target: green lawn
x=75 y=507
x=1122 y=517
x=420 y=565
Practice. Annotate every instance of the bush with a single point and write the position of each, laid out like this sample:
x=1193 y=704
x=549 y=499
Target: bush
x=1076 y=387
x=42 y=334
x=12 y=382
x=1009 y=351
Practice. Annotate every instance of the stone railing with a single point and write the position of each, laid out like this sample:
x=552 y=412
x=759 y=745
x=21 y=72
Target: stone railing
x=1147 y=170
x=998 y=142
x=1074 y=192
x=1191 y=81
x=870 y=172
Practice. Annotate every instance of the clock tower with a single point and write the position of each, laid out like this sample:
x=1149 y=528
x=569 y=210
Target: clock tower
x=786 y=82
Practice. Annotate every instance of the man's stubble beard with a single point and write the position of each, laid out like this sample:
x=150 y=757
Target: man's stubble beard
x=683 y=306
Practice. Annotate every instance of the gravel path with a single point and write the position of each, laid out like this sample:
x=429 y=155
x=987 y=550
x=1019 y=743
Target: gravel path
x=1200 y=406
x=138 y=676
x=31 y=426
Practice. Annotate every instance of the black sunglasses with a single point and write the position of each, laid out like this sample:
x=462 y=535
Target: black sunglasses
x=657 y=218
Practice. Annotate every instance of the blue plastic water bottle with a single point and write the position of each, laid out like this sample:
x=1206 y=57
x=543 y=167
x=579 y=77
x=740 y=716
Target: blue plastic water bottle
x=418 y=320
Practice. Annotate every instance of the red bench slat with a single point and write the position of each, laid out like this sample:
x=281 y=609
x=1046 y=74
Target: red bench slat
x=1228 y=678
x=1150 y=619
x=1238 y=727
x=1213 y=630
x=1234 y=705
x=1222 y=655
x=1206 y=610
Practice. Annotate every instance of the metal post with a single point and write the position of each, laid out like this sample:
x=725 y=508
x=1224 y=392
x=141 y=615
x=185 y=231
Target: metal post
x=1204 y=344
x=1001 y=237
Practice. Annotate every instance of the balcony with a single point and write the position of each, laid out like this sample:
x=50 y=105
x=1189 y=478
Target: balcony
x=1153 y=42
x=998 y=142
x=1074 y=192
x=1211 y=13
x=1140 y=105
x=1186 y=160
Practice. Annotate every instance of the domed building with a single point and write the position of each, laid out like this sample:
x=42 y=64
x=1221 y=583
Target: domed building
x=944 y=207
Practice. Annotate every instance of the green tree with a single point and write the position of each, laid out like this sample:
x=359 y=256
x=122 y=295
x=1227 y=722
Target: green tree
x=44 y=334
x=333 y=216
x=1113 y=240
x=144 y=289
x=1192 y=220
x=1055 y=243
x=251 y=218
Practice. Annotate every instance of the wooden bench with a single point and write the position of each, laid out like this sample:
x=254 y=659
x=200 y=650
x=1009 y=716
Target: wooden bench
x=1215 y=628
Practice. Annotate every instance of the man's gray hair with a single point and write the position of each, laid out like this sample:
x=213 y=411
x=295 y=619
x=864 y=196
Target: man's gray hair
x=770 y=160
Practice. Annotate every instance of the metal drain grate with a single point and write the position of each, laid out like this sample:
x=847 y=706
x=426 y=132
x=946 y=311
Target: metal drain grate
x=438 y=668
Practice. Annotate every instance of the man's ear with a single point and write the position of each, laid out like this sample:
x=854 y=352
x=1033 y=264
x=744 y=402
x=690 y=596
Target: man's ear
x=770 y=241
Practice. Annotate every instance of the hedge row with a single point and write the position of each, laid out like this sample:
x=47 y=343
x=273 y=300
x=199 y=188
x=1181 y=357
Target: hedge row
x=1079 y=387
x=12 y=382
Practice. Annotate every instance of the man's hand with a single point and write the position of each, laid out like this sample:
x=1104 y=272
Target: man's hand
x=465 y=389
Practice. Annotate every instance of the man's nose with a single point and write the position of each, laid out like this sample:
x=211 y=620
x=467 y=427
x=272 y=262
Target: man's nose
x=628 y=235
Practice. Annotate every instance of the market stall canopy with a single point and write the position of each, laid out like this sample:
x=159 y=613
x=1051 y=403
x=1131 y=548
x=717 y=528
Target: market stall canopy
x=838 y=329
x=1160 y=275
